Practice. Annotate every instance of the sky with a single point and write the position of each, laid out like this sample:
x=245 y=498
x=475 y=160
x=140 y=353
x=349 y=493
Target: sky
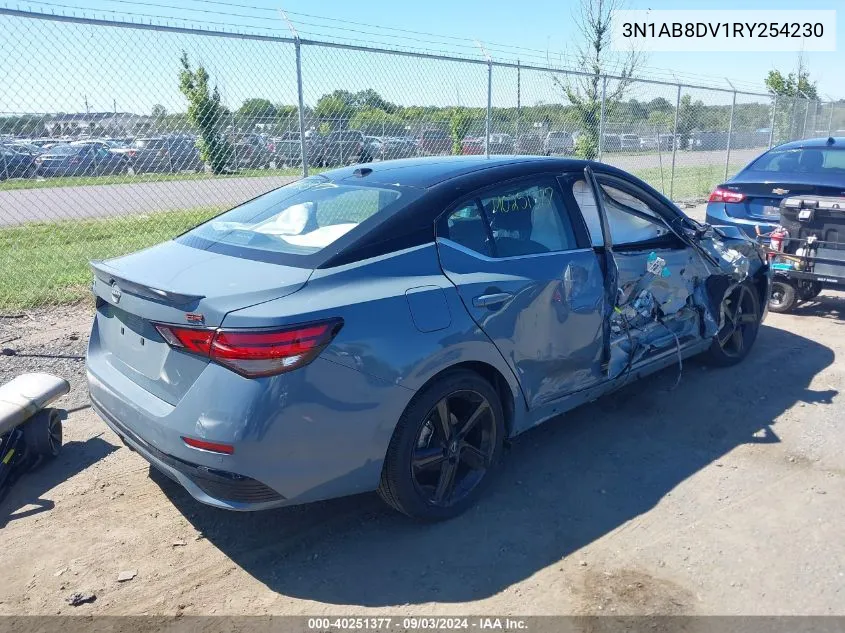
x=132 y=70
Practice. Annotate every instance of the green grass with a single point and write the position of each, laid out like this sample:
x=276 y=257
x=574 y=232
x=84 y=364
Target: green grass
x=691 y=181
x=123 y=179
x=47 y=263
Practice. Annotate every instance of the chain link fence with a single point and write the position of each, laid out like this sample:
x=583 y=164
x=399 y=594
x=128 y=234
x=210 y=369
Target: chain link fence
x=115 y=136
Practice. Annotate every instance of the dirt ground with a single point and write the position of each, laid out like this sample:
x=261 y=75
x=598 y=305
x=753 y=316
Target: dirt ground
x=724 y=495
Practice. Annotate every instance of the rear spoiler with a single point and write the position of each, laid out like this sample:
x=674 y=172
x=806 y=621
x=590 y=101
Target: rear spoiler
x=110 y=277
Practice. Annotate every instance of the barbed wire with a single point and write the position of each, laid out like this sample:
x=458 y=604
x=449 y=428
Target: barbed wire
x=443 y=44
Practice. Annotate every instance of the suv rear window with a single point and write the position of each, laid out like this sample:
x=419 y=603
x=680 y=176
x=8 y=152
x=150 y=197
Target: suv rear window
x=810 y=160
x=298 y=219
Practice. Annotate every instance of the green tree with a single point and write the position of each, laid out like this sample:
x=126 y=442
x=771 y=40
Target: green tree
x=254 y=111
x=689 y=118
x=158 y=111
x=793 y=84
x=370 y=99
x=378 y=122
x=206 y=113
x=594 y=57
x=459 y=125
x=336 y=106
x=798 y=90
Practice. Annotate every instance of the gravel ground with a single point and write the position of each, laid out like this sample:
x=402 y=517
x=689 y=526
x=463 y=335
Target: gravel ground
x=724 y=496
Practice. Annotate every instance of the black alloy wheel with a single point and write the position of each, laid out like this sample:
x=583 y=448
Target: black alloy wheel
x=445 y=447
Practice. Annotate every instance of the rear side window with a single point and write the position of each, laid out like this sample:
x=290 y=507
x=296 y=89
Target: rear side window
x=298 y=219
x=809 y=160
x=630 y=219
x=521 y=219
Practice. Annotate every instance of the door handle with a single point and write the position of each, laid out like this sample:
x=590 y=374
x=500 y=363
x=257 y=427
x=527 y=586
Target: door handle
x=488 y=301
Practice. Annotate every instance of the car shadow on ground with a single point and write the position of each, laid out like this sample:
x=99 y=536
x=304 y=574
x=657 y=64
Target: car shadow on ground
x=24 y=497
x=826 y=306
x=563 y=485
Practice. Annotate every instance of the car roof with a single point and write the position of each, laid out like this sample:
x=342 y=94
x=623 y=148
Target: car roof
x=806 y=143
x=430 y=171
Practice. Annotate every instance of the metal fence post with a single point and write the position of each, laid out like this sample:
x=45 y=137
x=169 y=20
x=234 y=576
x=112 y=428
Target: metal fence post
x=830 y=120
x=234 y=139
x=489 y=108
x=303 y=151
x=772 y=124
x=169 y=154
x=815 y=117
x=601 y=115
x=730 y=133
x=806 y=112
x=518 y=100
x=792 y=119
x=675 y=141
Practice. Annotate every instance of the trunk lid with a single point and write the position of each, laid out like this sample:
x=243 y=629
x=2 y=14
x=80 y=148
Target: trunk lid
x=763 y=196
x=176 y=284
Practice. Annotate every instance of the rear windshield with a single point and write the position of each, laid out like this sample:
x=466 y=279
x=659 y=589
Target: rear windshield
x=298 y=219
x=811 y=160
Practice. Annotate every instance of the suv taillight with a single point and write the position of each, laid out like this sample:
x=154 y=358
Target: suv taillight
x=255 y=352
x=726 y=195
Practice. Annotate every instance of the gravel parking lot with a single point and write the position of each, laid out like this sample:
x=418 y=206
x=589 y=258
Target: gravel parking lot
x=721 y=496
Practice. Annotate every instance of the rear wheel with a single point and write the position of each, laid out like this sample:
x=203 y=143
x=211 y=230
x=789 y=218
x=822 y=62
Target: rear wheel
x=734 y=340
x=809 y=290
x=783 y=297
x=445 y=447
x=43 y=433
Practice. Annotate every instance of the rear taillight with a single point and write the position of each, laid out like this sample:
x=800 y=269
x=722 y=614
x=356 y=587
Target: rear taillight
x=253 y=353
x=131 y=153
x=726 y=195
x=212 y=447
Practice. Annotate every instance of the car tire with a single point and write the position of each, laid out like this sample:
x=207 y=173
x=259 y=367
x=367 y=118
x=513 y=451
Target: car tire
x=783 y=296
x=734 y=340
x=471 y=454
x=42 y=433
x=809 y=290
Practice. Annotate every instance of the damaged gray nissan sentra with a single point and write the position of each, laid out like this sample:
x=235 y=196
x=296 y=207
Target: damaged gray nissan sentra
x=387 y=327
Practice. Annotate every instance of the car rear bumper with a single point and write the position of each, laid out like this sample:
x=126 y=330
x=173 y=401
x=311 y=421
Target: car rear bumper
x=717 y=216
x=211 y=486
x=319 y=432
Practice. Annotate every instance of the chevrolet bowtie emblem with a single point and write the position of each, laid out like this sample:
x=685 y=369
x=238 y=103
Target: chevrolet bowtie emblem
x=780 y=192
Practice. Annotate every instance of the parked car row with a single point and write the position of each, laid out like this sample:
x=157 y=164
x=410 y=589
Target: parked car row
x=24 y=158
x=174 y=153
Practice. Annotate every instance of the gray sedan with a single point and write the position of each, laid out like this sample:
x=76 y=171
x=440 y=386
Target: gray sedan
x=388 y=326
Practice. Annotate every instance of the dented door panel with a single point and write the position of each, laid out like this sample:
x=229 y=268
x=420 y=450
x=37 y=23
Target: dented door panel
x=545 y=314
